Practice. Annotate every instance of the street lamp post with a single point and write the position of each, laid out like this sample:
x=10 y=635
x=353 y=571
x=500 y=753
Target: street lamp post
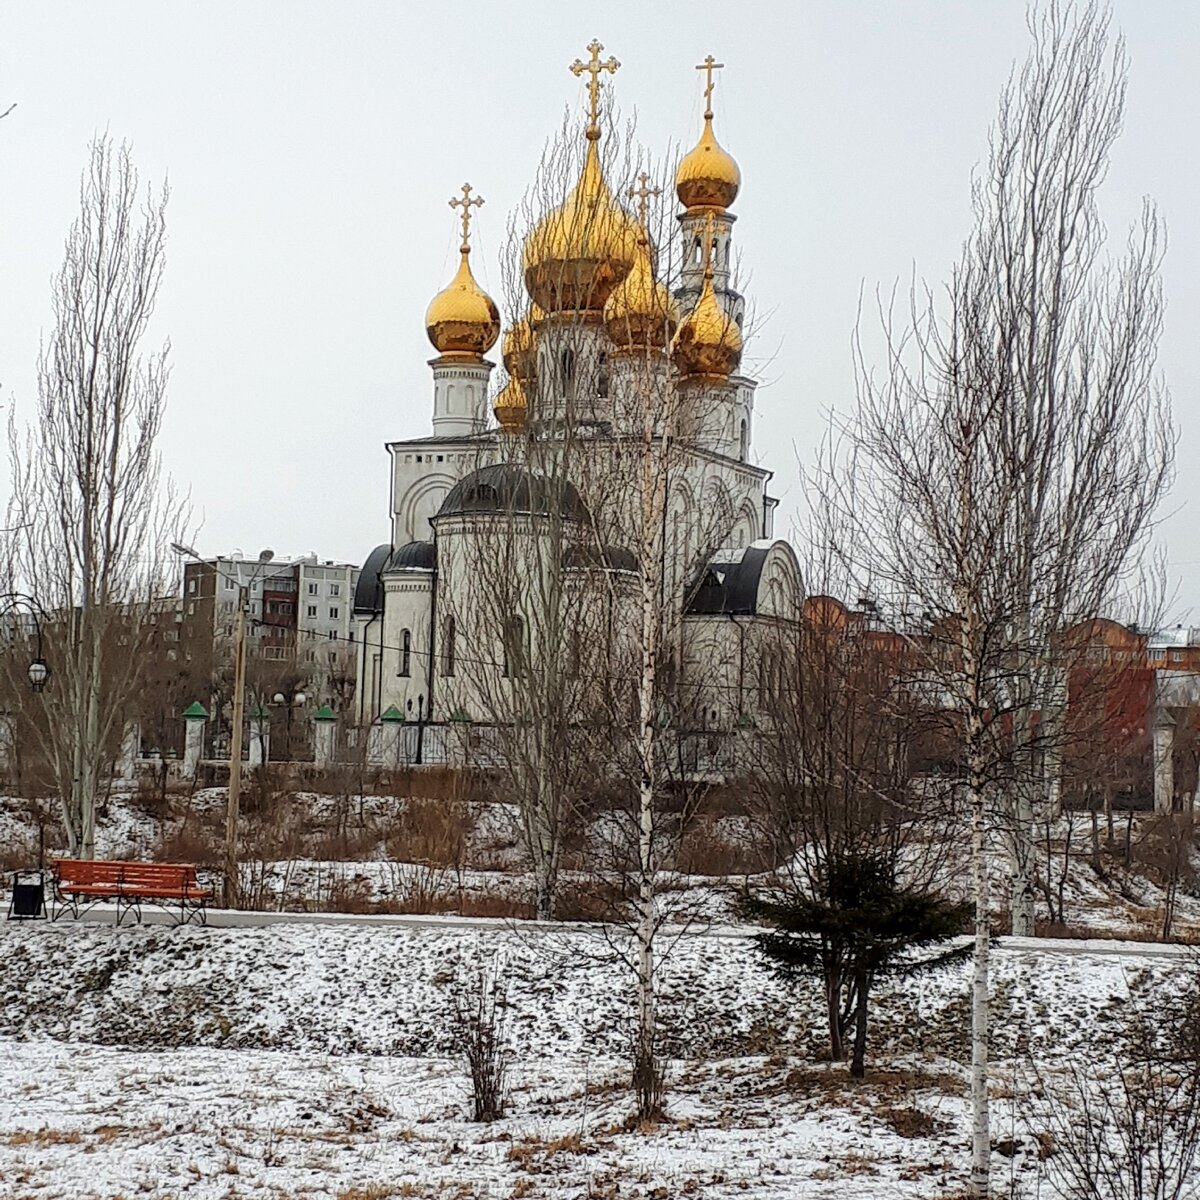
x=295 y=702
x=229 y=883
x=39 y=672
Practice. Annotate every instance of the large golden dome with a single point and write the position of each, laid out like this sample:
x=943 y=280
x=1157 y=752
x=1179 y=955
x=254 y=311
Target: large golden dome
x=512 y=406
x=578 y=253
x=641 y=312
x=462 y=318
x=520 y=345
x=707 y=177
x=708 y=342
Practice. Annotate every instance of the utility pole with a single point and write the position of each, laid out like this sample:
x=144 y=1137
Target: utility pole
x=229 y=887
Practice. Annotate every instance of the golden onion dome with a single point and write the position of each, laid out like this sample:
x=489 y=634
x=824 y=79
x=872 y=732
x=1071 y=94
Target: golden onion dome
x=707 y=177
x=641 y=312
x=512 y=406
x=708 y=341
x=578 y=253
x=462 y=318
x=520 y=347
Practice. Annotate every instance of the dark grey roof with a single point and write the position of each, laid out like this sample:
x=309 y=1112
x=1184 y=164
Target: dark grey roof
x=507 y=489
x=730 y=588
x=368 y=594
x=422 y=555
x=611 y=558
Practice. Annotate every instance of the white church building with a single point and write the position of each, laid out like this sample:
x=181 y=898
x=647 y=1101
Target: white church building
x=603 y=329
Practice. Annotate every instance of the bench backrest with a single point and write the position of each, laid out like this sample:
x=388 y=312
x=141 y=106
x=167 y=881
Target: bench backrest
x=127 y=874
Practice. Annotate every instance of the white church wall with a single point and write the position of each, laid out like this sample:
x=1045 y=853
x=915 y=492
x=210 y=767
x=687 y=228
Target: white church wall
x=407 y=646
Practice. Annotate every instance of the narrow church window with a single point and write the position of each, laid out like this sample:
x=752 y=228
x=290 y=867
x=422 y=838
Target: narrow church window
x=405 y=651
x=448 y=648
x=602 y=375
x=568 y=371
x=743 y=442
x=514 y=647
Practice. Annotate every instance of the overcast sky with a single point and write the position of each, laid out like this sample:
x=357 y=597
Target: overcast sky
x=311 y=149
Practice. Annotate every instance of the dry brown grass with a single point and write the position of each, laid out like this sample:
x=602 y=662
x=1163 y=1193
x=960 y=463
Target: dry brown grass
x=376 y=1191
x=45 y=1137
x=888 y=1084
x=910 y=1122
x=533 y=1154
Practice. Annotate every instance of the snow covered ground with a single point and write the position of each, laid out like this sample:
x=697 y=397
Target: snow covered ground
x=314 y=1060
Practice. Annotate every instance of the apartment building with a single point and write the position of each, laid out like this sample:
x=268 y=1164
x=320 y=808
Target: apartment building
x=298 y=611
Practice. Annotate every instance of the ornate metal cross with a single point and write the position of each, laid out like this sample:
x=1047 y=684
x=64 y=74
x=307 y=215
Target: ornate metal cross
x=594 y=67
x=708 y=66
x=642 y=194
x=466 y=203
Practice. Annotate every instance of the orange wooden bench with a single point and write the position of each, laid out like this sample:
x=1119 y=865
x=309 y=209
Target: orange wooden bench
x=80 y=883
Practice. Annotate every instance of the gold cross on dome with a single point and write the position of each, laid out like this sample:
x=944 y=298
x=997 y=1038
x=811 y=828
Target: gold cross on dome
x=708 y=66
x=466 y=203
x=594 y=67
x=642 y=194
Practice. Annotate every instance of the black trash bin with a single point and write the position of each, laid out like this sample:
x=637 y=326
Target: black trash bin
x=28 y=902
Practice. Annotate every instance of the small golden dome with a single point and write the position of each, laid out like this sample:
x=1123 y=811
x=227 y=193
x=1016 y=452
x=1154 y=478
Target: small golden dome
x=462 y=318
x=520 y=347
x=641 y=312
x=707 y=176
x=578 y=253
x=708 y=342
x=512 y=406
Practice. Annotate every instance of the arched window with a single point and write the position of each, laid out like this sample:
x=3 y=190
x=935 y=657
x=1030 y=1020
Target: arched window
x=515 y=658
x=602 y=375
x=567 y=362
x=743 y=441
x=405 y=652
x=448 y=647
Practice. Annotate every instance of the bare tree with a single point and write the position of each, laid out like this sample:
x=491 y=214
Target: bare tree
x=1003 y=472
x=1087 y=426
x=90 y=514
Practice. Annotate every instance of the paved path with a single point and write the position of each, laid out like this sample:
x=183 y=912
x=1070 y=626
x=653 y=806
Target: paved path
x=224 y=918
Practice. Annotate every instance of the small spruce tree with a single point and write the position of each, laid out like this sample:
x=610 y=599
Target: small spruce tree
x=858 y=925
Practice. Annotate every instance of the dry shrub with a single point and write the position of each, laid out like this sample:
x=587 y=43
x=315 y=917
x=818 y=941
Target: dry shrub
x=345 y=845
x=350 y=895
x=706 y=849
x=479 y=1025
x=431 y=831
x=192 y=843
x=590 y=900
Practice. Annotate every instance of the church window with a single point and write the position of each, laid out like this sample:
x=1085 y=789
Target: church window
x=448 y=647
x=405 y=652
x=568 y=371
x=602 y=375
x=514 y=647
x=697 y=253
x=743 y=442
